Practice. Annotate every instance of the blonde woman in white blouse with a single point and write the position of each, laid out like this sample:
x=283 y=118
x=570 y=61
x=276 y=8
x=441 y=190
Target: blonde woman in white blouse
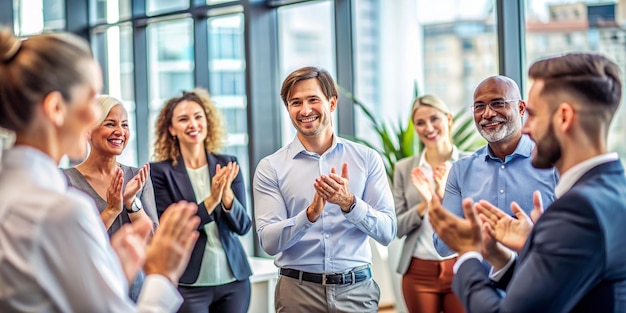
x=427 y=277
x=55 y=255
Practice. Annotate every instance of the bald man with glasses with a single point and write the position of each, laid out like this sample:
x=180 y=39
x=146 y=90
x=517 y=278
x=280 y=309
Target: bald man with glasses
x=501 y=171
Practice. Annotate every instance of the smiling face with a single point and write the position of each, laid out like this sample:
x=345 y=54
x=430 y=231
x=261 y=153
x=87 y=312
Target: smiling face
x=189 y=123
x=432 y=126
x=309 y=110
x=111 y=136
x=540 y=128
x=501 y=125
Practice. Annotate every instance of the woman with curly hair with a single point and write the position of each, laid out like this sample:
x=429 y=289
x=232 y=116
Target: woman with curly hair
x=189 y=133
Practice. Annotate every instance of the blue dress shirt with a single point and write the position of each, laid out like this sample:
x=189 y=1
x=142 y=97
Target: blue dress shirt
x=336 y=241
x=483 y=176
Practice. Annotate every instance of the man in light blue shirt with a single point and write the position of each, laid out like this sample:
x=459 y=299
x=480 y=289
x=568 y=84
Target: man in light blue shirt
x=501 y=171
x=317 y=201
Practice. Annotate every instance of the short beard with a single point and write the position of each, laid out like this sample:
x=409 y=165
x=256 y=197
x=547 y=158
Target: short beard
x=548 y=150
x=506 y=130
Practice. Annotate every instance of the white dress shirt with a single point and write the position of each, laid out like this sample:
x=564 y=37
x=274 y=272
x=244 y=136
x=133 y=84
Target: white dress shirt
x=55 y=255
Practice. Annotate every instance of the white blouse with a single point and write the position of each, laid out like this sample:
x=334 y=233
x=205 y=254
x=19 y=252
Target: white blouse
x=55 y=254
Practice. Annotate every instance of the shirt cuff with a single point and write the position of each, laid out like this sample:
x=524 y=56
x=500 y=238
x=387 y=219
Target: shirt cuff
x=497 y=275
x=464 y=257
x=224 y=208
x=159 y=295
x=358 y=213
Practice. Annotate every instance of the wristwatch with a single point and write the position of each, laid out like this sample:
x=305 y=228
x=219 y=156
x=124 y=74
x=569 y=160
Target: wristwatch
x=135 y=207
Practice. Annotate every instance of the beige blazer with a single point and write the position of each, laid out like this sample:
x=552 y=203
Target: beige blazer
x=406 y=200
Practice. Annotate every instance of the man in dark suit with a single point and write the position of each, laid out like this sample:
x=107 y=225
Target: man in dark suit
x=573 y=260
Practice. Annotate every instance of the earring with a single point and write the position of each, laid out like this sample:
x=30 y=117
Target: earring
x=174 y=138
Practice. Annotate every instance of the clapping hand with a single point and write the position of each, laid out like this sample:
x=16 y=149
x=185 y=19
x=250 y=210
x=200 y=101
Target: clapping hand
x=509 y=231
x=170 y=249
x=230 y=171
x=129 y=243
x=335 y=189
x=135 y=184
x=423 y=187
x=440 y=175
x=460 y=235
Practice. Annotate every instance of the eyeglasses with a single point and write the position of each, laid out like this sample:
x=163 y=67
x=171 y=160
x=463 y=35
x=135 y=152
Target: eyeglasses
x=497 y=105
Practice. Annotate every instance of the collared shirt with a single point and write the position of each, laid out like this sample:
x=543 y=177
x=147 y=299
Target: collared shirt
x=55 y=254
x=336 y=241
x=483 y=176
x=569 y=178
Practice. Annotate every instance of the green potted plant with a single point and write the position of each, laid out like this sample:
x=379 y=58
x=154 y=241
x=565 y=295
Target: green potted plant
x=398 y=141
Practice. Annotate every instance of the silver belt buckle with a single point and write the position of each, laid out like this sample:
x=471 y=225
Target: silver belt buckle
x=324 y=280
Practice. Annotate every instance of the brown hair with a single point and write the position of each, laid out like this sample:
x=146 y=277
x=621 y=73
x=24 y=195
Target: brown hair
x=591 y=80
x=167 y=147
x=31 y=69
x=327 y=84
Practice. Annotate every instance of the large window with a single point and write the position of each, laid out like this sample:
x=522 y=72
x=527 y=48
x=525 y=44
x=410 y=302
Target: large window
x=170 y=64
x=36 y=16
x=558 y=26
x=443 y=47
x=110 y=11
x=305 y=39
x=227 y=71
x=114 y=49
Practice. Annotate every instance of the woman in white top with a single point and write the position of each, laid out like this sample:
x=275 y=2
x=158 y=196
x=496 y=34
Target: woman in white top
x=55 y=255
x=427 y=277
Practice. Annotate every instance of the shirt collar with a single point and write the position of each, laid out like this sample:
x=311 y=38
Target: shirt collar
x=296 y=147
x=524 y=149
x=571 y=176
x=422 y=160
x=41 y=169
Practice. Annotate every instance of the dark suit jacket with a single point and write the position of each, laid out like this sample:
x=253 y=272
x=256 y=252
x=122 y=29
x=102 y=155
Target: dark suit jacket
x=573 y=261
x=172 y=184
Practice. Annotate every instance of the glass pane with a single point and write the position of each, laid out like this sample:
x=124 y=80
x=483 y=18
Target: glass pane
x=445 y=48
x=170 y=63
x=110 y=11
x=306 y=38
x=228 y=89
x=115 y=49
x=36 y=16
x=559 y=26
x=217 y=1
x=160 y=6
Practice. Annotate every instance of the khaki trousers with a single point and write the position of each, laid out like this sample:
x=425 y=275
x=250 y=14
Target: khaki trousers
x=294 y=296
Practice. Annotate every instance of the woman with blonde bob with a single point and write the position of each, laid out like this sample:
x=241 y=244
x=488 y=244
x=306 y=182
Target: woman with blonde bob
x=123 y=194
x=189 y=134
x=427 y=277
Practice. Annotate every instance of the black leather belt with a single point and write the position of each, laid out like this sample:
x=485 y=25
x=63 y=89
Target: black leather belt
x=354 y=276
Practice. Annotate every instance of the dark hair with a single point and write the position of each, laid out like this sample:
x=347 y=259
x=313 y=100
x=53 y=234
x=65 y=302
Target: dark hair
x=593 y=79
x=327 y=84
x=35 y=67
x=166 y=147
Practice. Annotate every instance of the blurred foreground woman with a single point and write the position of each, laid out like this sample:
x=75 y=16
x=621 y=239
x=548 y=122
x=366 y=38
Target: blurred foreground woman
x=55 y=255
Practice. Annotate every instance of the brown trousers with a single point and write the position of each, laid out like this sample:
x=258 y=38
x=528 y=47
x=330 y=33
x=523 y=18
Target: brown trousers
x=427 y=287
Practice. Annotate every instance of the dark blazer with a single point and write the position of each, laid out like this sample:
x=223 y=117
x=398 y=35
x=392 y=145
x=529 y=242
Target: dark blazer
x=171 y=184
x=574 y=260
